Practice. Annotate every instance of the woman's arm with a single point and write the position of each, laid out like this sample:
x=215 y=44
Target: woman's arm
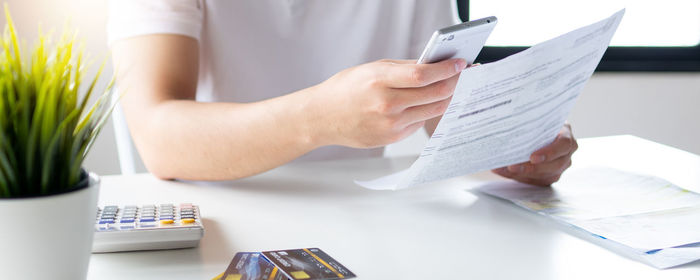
x=366 y=106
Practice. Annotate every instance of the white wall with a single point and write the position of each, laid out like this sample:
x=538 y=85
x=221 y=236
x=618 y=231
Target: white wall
x=659 y=106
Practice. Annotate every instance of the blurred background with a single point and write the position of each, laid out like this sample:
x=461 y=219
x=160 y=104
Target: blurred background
x=660 y=106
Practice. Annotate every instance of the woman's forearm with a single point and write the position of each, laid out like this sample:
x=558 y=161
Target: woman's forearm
x=192 y=140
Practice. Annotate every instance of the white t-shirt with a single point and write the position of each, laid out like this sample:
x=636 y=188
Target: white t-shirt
x=251 y=50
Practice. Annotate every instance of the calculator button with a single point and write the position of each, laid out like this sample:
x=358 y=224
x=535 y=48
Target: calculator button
x=166 y=222
x=126 y=221
x=187 y=217
x=166 y=217
x=106 y=221
x=150 y=219
x=187 y=221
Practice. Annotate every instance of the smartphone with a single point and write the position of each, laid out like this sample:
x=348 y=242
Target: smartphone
x=463 y=40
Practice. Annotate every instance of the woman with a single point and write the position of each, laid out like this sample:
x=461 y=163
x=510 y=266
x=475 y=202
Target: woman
x=227 y=89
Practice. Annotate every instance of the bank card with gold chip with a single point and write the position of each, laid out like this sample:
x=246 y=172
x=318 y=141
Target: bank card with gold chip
x=307 y=264
x=251 y=266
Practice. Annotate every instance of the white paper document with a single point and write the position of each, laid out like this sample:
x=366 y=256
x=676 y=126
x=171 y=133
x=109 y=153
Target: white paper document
x=594 y=193
x=503 y=111
x=652 y=219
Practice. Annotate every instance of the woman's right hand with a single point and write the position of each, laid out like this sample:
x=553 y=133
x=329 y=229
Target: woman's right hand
x=381 y=102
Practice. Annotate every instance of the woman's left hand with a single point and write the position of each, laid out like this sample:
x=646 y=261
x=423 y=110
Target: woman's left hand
x=547 y=164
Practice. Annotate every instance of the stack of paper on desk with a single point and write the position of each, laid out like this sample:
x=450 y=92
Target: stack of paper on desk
x=503 y=111
x=644 y=217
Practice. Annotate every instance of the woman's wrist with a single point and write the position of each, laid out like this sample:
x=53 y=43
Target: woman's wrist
x=310 y=120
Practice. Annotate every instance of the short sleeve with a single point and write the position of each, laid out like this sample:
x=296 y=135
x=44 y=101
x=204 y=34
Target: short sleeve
x=129 y=18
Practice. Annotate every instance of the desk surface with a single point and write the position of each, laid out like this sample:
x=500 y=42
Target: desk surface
x=436 y=231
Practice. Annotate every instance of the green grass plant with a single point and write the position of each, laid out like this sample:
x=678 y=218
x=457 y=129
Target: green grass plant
x=46 y=126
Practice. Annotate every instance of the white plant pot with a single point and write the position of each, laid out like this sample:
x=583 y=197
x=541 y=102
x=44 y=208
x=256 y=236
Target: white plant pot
x=48 y=237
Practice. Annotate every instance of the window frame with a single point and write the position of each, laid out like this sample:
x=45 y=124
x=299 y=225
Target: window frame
x=637 y=59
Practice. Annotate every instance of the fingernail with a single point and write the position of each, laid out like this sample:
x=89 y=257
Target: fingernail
x=538 y=159
x=460 y=64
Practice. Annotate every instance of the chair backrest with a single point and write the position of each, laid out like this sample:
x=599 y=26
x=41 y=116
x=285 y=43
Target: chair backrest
x=128 y=158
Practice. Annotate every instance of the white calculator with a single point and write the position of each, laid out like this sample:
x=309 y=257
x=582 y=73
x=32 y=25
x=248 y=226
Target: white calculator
x=148 y=227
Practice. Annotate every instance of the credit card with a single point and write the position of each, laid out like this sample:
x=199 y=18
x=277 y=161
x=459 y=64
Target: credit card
x=251 y=266
x=308 y=264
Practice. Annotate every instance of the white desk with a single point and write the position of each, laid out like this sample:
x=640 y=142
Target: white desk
x=436 y=231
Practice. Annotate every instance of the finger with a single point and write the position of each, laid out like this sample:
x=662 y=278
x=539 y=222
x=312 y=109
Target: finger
x=409 y=97
x=424 y=112
x=405 y=75
x=542 y=170
x=399 y=61
x=542 y=181
x=503 y=171
x=563 y=145
x=410 y=129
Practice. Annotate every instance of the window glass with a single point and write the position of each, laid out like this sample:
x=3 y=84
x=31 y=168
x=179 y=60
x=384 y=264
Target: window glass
x=667 y=23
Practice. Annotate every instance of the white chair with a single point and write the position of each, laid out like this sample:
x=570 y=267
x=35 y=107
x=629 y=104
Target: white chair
x=128 y=157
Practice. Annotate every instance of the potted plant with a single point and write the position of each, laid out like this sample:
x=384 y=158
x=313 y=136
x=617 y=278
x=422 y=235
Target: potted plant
x=48 y=203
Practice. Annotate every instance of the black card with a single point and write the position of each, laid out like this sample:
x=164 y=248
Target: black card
x=308 y=264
